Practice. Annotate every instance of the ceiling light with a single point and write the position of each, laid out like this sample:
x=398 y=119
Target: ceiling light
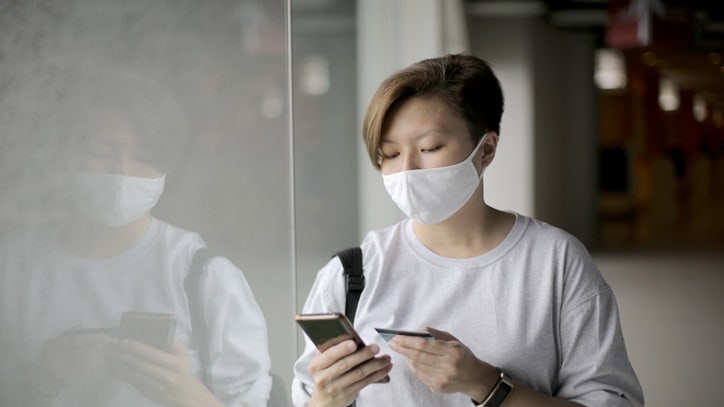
x=699 y=108
x=315 y=75
x=610 y=71
x=668 y=95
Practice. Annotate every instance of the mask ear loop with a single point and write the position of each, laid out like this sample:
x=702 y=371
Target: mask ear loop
x=482 y=141
x=482 y=167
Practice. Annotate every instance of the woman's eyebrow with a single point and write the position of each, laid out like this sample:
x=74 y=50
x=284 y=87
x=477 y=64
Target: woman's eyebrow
x=427 y=133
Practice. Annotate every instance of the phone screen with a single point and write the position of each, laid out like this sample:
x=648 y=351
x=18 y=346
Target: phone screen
x=329 y=329
x=151 y=328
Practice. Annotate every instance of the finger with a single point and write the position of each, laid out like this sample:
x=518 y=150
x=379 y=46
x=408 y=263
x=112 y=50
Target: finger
x=381 y=375
x=149 y=386
x=413 y=354
x=440 y=335
x=358 y=365
x=434 y=355
x=355 y=379
x=356 y=370
x=413 y=345
x=141 y=372
x=325 y=373
x=179 y=348
x=330 y=356
x=146 y=353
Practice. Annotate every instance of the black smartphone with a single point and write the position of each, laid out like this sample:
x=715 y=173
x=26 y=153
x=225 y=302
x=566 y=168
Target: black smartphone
x=152 y=328
x=328 y=329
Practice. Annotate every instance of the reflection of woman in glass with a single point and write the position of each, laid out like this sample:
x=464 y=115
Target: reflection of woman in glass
x=521 y=316
x=63 y=293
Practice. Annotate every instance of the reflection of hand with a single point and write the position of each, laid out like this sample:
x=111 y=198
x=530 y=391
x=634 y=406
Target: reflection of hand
x=70 y=357
x=341 y=371
x=445 y=365
x=163 y=377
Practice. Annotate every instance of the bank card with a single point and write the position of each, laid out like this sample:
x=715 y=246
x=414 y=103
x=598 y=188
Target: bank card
x=388 y=334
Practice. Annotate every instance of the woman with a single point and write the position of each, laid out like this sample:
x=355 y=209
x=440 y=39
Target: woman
x=65 y=288
x=519 y=312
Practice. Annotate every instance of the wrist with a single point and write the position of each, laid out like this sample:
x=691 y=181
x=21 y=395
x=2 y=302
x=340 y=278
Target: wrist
x=497 y=395
x=314 y=402
x=483 y=382
x=324 y=402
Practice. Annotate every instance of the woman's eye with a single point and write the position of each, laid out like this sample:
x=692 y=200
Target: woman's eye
x=389 y=156
x=430 y=150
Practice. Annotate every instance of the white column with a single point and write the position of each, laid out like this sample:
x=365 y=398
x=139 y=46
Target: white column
x=506 y=44
x=391 y=35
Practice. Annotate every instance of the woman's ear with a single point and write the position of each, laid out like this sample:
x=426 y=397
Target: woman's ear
x=490 y=145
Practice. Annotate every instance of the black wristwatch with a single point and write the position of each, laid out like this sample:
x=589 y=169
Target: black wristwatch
x=497 y=395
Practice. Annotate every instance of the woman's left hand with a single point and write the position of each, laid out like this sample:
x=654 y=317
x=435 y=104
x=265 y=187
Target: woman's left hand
x=445 y=364
x=164 y=377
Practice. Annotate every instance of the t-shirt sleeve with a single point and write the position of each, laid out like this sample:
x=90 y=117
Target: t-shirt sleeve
x=239 y=359
x=326 y=295
x=595 y=369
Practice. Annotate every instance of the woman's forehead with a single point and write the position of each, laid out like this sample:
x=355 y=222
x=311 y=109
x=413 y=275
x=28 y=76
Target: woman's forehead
x=420 y=117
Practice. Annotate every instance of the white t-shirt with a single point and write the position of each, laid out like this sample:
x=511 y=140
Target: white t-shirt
x=535 y=306
x=45 y=291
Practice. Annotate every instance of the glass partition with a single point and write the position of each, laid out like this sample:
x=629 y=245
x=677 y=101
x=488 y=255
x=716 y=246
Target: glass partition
x=326 y=135
x=132 y=134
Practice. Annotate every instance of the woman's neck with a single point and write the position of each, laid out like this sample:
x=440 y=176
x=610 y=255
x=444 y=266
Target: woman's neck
x=94 y=241
x=474 y=230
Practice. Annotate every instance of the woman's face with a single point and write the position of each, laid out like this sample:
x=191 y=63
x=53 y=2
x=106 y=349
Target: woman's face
x=111 y=146
x=423 y=132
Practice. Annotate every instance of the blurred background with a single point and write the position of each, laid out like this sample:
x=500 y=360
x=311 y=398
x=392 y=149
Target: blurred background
x=613 y=130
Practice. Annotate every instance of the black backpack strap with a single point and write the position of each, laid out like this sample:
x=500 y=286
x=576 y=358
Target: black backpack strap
x=192 y=285
x=351 y=259
x=355 y=279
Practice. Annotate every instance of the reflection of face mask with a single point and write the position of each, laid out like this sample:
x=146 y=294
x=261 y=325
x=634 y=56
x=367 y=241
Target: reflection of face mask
x=114 y=199
x=434 y=194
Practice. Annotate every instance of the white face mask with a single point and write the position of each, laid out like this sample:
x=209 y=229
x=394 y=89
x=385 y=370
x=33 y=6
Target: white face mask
x=114 y=199
x=432 y=195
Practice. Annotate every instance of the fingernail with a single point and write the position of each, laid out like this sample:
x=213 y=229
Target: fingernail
x=374 y=348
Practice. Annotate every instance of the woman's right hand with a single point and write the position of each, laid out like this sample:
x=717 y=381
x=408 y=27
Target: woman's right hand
x=341 y=371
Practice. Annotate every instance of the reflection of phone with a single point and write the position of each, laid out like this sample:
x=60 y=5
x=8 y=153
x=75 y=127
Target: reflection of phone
x=152 y=328
x=327 y=330
x=388 y=334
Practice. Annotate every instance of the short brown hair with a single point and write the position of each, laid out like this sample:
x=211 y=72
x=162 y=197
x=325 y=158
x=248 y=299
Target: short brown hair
x=465 y=83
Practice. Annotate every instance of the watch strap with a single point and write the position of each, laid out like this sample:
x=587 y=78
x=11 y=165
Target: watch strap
x=499 y=392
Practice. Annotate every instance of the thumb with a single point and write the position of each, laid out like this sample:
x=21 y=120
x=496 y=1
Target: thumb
x=177 y=347
x=440 y=335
